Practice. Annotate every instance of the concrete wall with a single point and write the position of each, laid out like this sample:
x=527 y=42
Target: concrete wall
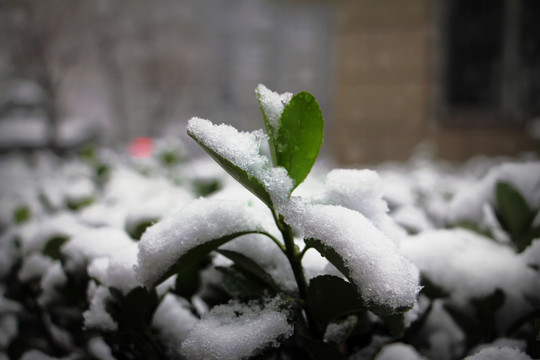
x=386 y=88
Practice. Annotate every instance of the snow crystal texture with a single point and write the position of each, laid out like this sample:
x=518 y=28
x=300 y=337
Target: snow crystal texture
x=496 y=353
x=200 y=221
x=272 y=105
x=383 y=277
x=237 y=331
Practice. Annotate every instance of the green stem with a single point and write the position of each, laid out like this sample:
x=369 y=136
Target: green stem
x=295 y=259
x=306 y=248
x=278 y=243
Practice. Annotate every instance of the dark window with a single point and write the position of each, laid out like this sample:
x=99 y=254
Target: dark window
x=491 y=69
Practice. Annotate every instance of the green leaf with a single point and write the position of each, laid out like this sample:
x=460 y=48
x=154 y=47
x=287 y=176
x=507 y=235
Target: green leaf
x=319 y=350
x=21 y=214
x=198 y=253
x=240 y=284
x=299 y=136
x=478 y=325
x=136 y=231
x=135 y=310
x=331 y=255
x=240 y=175
x=330 y=297
x=188 y=280
x=53 y=245
x=513 y=212
x=250 y=266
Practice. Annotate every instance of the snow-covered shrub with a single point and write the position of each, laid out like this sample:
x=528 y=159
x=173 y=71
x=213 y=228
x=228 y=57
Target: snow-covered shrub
x=159 y=256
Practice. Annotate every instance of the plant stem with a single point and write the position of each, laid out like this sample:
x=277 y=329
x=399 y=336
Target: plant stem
x=295 y=259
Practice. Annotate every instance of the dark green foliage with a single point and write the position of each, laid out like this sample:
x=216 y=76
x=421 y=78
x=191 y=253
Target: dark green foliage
x=515 y=215
x=53 y=245
x=478 y=323
x=206 y=187
x=21 y=214
x=329 y=298
x=250 y=266
x=138 y=230
x=318 y=349
x=188 y=280
x=197 y=253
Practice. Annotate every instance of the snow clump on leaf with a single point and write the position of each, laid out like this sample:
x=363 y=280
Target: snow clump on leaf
x=384 y=278
x=199 y=222
x=237 y=331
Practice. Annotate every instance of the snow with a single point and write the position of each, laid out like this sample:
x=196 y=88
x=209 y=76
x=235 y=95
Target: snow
x=34 y=266
x=53 y=279
x=412 y=218
x=266 y=254
x=456 y=261
x=468 y=202
x=9 y=329
x=360 y=190
x=237 y=331
x=98 y=348
x=531 y=255
x=243 y=150
x=383 y=277
x=199 y=222
x=445 y=340
x=499 y=353
x=93 y=243
x=129 y=198
x=398 y=351
x=173 y=320
x=272 y=105
x=116 y=268
x=97 y=317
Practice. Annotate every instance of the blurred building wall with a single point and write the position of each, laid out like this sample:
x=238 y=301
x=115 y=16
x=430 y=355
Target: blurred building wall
x=139 y=68
x=389 y=74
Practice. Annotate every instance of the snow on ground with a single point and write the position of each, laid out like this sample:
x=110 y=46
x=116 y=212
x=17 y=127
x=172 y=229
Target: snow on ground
x=60 y=218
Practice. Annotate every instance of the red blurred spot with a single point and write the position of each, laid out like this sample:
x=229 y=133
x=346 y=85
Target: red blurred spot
x=141 y=147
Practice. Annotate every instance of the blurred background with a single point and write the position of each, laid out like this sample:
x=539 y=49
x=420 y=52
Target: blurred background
x=460 y=75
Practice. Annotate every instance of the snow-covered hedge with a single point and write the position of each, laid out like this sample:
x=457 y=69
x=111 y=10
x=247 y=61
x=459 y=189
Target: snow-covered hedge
x=107 y=256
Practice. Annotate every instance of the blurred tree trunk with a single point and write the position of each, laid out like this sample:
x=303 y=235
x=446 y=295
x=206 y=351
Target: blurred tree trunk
x=105 y=16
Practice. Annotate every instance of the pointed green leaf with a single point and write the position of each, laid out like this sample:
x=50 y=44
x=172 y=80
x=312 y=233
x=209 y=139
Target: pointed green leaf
x=240 y=175
x=135 y=310
x=21 y=214
x=240 y=284
x=197 y=254
x=53 y=245
x=299 y=136
x=251 y=266
x=188 y=280
x=343 y=301
x=513 y=212
x=335 y=258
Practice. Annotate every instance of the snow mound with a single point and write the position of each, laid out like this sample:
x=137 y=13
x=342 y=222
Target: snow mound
x=383 y=276
x=398 y=351
x=467 y=204
x=199 y=222
x=237 y=331
x=499 y=353
x=272 y=105
x=360 y=190
x=173 y=320
x=243 y=150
